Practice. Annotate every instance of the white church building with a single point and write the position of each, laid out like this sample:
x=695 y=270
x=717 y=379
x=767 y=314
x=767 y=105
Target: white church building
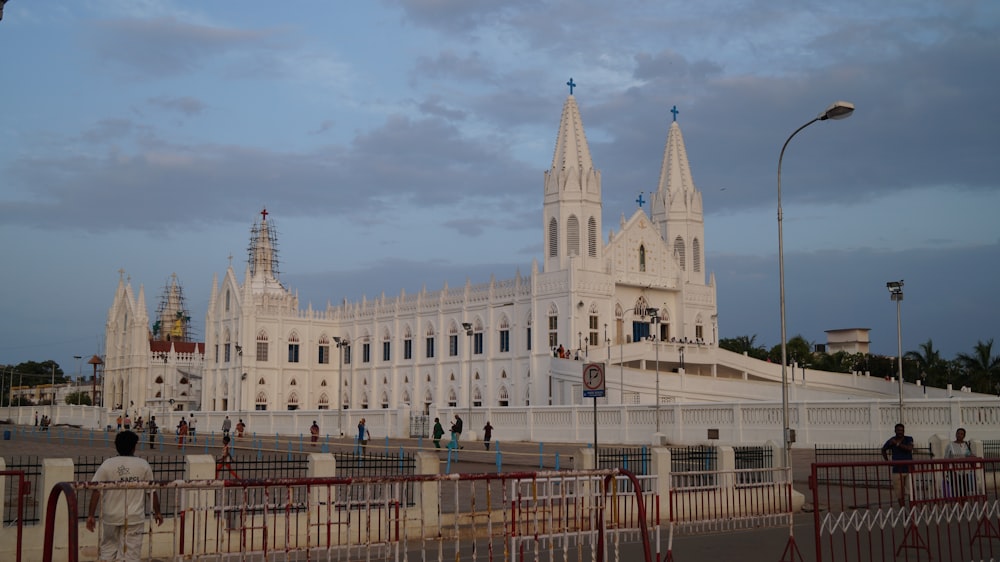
x=484 y=345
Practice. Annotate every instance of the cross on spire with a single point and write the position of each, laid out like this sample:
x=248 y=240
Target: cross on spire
x=675 y=112
x=640 y=200
x=571 y=85
x=263 y=214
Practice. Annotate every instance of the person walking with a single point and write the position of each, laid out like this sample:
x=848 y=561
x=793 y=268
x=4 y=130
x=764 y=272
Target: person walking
x=182 y=431
x=128 y=422
x=193 y=428
x=119 y=422
x=363 y=436
x=123 y=512
x=227 y=424
x=438 y=433
x=314 y=433
x=456 y=433
x=152 y=429
x=487 y=434
x=225 y=460
x=36 y=419
x=901 y=446
x=240 y=428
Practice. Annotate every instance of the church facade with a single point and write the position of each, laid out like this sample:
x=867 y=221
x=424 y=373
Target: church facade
x=488 y=344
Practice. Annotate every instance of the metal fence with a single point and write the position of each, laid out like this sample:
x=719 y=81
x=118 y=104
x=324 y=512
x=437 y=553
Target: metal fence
x=420 y=426
x=991 y=450
x=633 y=459
x=753 y=464
x=31 y=466
x=371 y=465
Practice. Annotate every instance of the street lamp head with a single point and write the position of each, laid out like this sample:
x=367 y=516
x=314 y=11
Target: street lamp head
x=336 y=339
x=466 y=326
x=837 y=110
x=895 y=290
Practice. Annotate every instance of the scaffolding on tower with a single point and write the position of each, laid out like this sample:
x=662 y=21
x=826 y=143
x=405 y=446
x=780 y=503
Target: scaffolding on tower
x=173 y=318
x=263 y=250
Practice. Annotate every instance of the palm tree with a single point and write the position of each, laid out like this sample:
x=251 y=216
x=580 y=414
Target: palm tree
x=744 y=344
x=982 y=367
x=928 y=362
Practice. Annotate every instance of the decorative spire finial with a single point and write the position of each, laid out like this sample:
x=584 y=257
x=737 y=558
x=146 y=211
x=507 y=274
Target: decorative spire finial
x=675 y=112
x=571 y=85
x=640 y=200
x=263 y=215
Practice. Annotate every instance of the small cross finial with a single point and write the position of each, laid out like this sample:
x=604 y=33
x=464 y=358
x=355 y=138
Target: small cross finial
x=640 y=200
x=121 y=273
x=675 y=112
x=263 y=214
x=230 y=260
x=571 y=85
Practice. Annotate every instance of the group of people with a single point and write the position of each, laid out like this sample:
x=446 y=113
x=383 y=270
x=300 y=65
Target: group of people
x=899 y=447
x=456 y=433
x=227 y=426
x=42 y=423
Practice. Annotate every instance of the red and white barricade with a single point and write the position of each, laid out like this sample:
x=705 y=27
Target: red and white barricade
x=906 y=510
x=555 y=515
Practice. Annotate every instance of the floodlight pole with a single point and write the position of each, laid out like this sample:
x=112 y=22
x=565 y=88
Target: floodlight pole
x=896 y=294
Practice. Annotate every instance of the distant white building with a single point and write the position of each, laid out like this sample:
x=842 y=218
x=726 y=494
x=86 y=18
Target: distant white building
x=851 y=340
x=151 y=367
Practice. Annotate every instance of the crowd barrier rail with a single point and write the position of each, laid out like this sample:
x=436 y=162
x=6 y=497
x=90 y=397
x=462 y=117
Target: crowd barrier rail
x=551 y=515
x=945 y=509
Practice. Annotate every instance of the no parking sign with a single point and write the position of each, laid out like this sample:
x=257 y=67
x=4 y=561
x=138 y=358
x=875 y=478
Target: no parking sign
x=593 y=380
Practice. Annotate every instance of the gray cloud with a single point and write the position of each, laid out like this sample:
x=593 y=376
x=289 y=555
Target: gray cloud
x=166 y=46
x=187 y=105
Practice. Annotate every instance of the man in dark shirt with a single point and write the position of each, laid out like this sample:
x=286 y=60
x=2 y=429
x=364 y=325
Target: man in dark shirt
x=901 y=446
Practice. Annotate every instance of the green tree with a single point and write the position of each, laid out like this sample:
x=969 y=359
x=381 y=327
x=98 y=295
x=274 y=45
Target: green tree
x=797 y=350
x=33 y=373
x=78 y=399
x=928 y=364
x=981 y=367
x=744 y=344
x=839 y=362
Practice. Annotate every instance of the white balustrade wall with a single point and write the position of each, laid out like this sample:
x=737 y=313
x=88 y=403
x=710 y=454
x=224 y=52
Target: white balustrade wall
x=815 y=422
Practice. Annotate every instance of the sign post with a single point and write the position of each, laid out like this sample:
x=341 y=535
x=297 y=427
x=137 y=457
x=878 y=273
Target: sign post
x=593 y=387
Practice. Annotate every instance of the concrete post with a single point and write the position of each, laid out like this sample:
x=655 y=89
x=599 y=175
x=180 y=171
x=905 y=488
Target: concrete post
x=201 y=504
x=53 y=472
x=426 y=497
x=659 y=458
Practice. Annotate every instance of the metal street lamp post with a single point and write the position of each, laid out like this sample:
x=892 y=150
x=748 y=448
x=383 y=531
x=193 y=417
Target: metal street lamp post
x=838 y=110
x=468 y=331
x=896 y=294
x=341 y=342
x=655 y=320
x=682 y=357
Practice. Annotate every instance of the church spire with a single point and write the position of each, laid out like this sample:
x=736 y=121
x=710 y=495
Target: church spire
x=571 y=208
x=572 y=151
x=676 y=207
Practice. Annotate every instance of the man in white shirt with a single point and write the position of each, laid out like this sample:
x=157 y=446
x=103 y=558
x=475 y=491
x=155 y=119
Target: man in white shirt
x=122 y=511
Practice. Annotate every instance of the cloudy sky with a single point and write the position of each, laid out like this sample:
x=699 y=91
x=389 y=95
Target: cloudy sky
x=400 y=144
